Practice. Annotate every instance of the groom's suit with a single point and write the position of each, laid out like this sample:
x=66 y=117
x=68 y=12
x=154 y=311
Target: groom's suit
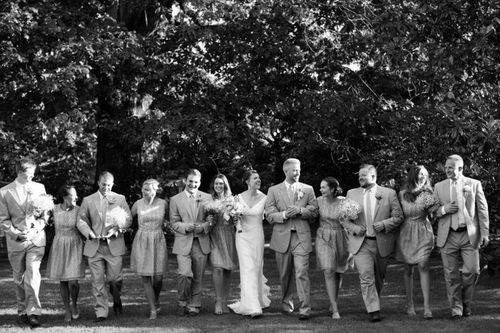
x=291 y=239
x=104 y=256
x=459 y=235
x=371 y=249
x=191 y=248
x=24 y=257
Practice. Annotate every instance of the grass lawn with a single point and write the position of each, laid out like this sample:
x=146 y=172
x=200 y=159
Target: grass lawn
x=486 y=316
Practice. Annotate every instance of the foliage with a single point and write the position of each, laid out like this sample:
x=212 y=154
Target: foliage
x=149 y=88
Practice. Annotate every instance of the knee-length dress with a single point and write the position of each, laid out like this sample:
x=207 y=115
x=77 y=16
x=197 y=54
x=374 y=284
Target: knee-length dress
x=416 y=238
x=149 y=249
x=223 y=251
x=66 y=253
x=331 y=238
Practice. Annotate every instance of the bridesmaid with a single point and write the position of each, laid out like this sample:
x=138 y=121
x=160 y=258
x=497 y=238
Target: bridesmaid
x=331 y=241
x=416 y=239
x=65 y=262
x=223 y=255
x=149 y=249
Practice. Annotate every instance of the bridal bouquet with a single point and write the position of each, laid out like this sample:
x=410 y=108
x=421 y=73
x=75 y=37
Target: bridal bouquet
x=348 y=210
x=116 y=219
x=38 y=206
x=214 y=207
x=233 y=209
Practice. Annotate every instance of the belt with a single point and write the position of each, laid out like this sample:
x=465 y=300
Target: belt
x=371 y=237
x=293 y=230
x=103 y=241
x=461 y=229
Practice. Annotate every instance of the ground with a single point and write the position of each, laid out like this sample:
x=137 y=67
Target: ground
x=486 y=316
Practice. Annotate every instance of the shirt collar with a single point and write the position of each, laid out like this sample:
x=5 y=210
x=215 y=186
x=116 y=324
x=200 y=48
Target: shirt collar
x=189 y=195
x=100 y=195
x=18 y=184
x=372 y=189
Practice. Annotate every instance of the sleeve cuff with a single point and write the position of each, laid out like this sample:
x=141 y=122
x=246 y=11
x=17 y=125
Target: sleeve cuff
x=443 y=212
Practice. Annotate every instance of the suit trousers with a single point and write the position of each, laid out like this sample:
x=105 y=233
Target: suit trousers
x=460 y=286
x=371 y=267
x=26 y=275
x=104 y=267
x=190 y=276
x=295 y=261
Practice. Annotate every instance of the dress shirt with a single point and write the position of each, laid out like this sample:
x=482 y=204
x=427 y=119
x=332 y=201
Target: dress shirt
x=369 y=194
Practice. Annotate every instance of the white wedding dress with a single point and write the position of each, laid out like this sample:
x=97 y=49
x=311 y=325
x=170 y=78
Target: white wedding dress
x=250 y=247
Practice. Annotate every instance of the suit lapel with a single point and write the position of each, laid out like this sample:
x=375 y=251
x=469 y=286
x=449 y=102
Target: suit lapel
x=13 y=193
x=446 y=190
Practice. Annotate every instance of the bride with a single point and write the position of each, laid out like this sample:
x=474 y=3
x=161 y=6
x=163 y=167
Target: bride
x=250 y=247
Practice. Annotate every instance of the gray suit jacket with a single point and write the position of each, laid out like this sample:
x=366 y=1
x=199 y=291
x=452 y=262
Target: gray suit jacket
x=90 y=219
x=475 y=211
x=277 y=202
x=387 y=210
x=13 y=219
x=181 y=213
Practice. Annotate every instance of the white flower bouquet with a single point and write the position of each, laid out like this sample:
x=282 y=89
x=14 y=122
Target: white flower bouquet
x=349 y=210
x=116 y=220
x=38 y=207
x=233 y=209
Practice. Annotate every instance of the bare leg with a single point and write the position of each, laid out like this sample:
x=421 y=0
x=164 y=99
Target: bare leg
x=157 y=285
x=64 y=288
x=227 y=289
x=408 y=276
x=338 y=280
x=74 y=290
x=218 y=279
x=423 y=268
x=150 y=295
x=331 y=289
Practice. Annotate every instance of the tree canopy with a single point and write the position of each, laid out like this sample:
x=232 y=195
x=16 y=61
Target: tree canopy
x=149 y=88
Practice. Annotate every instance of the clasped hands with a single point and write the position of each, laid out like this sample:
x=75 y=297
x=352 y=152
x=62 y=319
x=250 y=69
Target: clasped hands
x=292 y=211
x=112 y=233
x=198 y=228
x=451 y=208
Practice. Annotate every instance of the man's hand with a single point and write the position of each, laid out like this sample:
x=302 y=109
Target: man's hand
x=190 y=227
x=360 y=230
x=92 y=235
x=378 y=226
x=198 y=229
x=21 y=238
x=451 y=208
x=484 y=241
x=292 y=211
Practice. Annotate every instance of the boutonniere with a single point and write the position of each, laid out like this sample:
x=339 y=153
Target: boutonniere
x=378 y=196
x=111 y=199
x=300 y=193
x=198 y=199
x=467 y=189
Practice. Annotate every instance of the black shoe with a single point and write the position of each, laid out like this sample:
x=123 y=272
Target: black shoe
x=375 y=316
x=23 y=319
x=467 y=312
x=118 y=307
x=456 y=317
x=182 y=311
x=303 y=316
x=99 y=319
x=33 y=321
x=193 y=313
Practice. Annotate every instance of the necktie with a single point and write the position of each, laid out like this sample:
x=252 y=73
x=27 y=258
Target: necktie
x=104 y=208
x=291 y=193
x=369 y=217
x=457 y=218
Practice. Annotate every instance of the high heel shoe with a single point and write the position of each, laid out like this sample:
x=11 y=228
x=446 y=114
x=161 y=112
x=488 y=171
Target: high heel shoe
x=335 y=315
x=218 y=308
x=428 y=315
x=152 y=314
x=410 y=311
x=67 y=317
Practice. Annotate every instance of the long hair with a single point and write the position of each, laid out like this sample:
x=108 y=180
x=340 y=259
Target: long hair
x=412 y=188
x=227 y=189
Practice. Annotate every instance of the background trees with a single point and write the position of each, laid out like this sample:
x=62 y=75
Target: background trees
x=149 y=88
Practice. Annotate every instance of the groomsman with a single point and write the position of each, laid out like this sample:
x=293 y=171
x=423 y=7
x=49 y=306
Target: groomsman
x=192 y=243
x=25 y=247
x=463 y=228
x=372 y=235
x=104 y=254
x=290 y=207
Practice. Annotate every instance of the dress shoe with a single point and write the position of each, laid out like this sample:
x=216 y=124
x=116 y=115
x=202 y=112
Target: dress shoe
x=335 y=315
x=456 y=317
x=33 y=321
x=182 y=311
x=99 y=319
x=375 y=316
x=428 y=315
x=467 y=312
x=193 y=313
x=118 y=307
x=304 y=316
x=23 y=319
x=256 y=315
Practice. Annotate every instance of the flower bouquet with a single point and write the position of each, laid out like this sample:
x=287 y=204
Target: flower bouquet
x=38 y=207
x=116 y=220
x=233 y=209
x=348 y=211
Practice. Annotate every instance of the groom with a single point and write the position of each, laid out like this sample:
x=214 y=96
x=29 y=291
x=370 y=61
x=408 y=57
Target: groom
x=372 y=235
x=192 y=242
x=290 y=206
x=463 y=228
x=25 y=248
x=104 y=254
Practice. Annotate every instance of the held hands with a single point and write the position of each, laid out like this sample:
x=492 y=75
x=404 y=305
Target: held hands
x=451 y=208
x=21 y=237
x=190 y=227
x=378 y=226
x=198 y=229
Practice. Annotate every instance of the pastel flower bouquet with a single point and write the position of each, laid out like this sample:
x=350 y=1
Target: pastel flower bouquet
x=116 y=220
x=36 y=213
x=233 y=210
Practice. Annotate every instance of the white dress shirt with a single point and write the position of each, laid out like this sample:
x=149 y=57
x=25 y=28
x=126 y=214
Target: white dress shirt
x=369 y=194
